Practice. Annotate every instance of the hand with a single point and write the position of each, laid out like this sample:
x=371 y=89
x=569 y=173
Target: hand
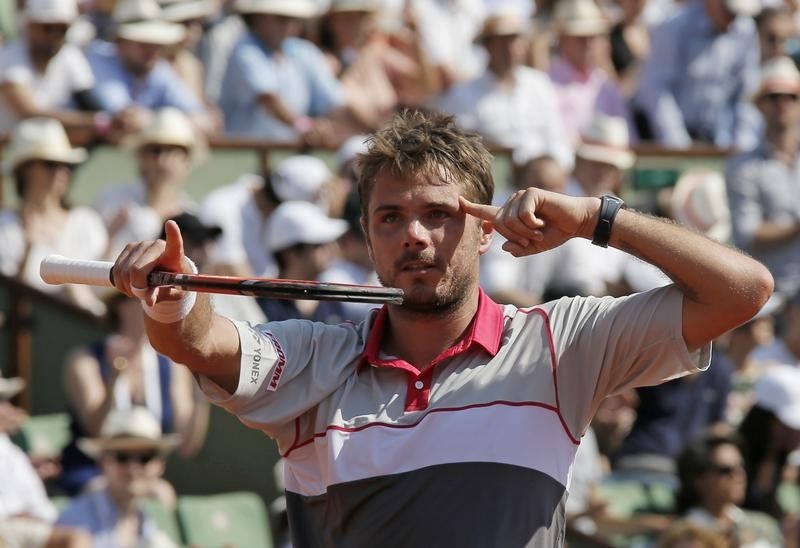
x=137 y=260
x=535 y=220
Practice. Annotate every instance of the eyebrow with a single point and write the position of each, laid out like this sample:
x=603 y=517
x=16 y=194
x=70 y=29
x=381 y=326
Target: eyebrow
x=428 y=205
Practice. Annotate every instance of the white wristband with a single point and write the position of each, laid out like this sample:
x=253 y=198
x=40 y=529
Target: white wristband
x=172 y=311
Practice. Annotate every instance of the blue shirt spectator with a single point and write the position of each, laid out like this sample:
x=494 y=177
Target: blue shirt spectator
x=118 y=88
x=299 y=77
x=696 y=83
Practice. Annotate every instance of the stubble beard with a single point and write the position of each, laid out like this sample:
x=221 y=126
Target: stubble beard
x=442 y=300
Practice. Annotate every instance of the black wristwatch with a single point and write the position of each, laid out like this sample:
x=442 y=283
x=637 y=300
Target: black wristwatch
x=609 y=207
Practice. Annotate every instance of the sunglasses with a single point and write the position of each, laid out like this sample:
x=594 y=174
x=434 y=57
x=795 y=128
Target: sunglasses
x=125 y=457
x=727 y=470
x=51 y=165
x=54 y=29
x=158 y=150
x=775 y=97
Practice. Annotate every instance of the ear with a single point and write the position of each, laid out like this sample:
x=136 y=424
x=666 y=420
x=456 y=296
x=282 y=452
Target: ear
x=487 y=235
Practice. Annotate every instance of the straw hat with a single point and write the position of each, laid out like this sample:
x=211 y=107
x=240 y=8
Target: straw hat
x=170 y=126
x=142 y=21
x=40 y=139
x=51 y=11
x=779 y=75
x=579 y=18
x=699 y=200
x=177 y=12
x=134 y=429
x=503 y=23
x=300 y=9
x=606 y=140
x=11 y=387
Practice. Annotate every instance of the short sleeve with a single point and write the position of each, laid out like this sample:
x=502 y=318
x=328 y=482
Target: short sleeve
x=605 y=345
x=256 y=71
x=12 y=243
x=13 y=68
x=287 y=368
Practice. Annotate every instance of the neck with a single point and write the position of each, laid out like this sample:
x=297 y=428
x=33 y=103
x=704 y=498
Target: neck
x=418 y=338
x=46 y=205
x=718 y=510
x=161 y=194
x=38 y=60
x=124 y=502
x=505 y=75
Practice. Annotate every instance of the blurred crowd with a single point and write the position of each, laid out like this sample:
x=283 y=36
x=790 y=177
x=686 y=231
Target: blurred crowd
x=567 y=88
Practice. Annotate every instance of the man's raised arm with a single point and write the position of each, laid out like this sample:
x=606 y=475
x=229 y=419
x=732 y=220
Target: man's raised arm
x=206 y=343
x=722 y=287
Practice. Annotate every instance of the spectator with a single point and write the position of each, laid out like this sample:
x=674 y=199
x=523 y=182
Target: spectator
x=166 y=150
x=510 y=104
x=26 y=514
x=302 y=239
x=541 y=172
x=777 y=31
x=584 y=87
x=630 y=44
x=192 y=15
x=219 y=38
x=702 y=67
x=119 y=372
x=713 y=485
x=699 y=200
x=377 y=76
x=770 y=432
x=41 y=75
x=131 y=451
x=41 y=159
x=278 y=86
x=132 y=77
x=763 y=184
x=243 y=209
x=785 y=349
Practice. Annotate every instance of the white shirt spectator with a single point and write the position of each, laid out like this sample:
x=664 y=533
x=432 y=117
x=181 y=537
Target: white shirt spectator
x=243 y=238
x=83 y=237
x=524 y=117
x=67 y=73
x=21 y=490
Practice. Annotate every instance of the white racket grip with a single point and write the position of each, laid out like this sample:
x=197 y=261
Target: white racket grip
x=57 y=269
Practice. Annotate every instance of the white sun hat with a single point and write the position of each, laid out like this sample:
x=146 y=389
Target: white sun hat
x=187 y=10
x=51 y=11
x=10 y=387
x=580 y=18
x=142 y=21
x=606 y=140
x=40 y=139
x=170 y=126
x=778 y=391
x=699 y=200
x=749 y=8
x=134 y=429
x=779 y=75
x=302 y=177
x=341 y=6
x=300 y=9
x=298 y=222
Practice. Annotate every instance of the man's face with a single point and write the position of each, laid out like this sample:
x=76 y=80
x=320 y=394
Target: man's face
x=164 y=163
x=45 y=40
x=598 y=178
x=139 y=58
x=421 y=242
x=583 y=52
x=774 y=36
x=131 y=474
x=274 y=29
x=505 y=52
x=721 y=17
x=780 y=110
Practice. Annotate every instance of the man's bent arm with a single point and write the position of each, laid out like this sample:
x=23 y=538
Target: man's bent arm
x=722 y=287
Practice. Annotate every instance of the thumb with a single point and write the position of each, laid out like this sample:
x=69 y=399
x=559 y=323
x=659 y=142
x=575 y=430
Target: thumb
x=172 y=257
x=481 y=211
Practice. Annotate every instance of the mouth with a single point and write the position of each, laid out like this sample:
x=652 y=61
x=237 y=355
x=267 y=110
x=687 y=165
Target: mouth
x=417 y=267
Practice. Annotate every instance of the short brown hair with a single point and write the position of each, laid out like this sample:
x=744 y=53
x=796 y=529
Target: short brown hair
x=430 y=145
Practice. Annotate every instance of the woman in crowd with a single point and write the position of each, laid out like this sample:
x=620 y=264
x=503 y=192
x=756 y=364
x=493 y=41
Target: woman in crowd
x=123 y=371
x=41 y=160
x=713 y=485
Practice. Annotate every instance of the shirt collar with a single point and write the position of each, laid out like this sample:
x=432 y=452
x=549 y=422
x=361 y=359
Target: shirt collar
x=485 y=330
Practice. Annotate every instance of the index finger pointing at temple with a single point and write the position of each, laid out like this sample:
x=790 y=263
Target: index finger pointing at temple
x=481 y=211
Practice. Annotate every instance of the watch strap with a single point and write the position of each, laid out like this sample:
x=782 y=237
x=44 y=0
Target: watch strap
x=609 y=207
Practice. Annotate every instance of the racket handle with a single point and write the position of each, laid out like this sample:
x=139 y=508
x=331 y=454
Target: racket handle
x=57 y=270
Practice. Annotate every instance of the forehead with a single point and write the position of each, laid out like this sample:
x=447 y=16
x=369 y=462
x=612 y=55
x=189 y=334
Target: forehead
x=391 y=190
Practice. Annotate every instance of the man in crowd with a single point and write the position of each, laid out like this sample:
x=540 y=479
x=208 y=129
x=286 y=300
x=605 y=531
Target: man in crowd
x=389 y=429
x=703 y=65
x=41 y=75
x=510 y=104
x=764 y=184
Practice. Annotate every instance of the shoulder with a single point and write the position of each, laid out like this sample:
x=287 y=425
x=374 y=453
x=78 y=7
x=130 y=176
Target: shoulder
x=300 y=47
x=80 y=512
x=745 y=163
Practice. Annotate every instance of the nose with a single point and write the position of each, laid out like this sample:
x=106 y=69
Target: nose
x=416 y=235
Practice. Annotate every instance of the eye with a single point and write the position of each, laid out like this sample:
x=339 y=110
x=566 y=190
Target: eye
x=390 y=218
x=439 y=214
